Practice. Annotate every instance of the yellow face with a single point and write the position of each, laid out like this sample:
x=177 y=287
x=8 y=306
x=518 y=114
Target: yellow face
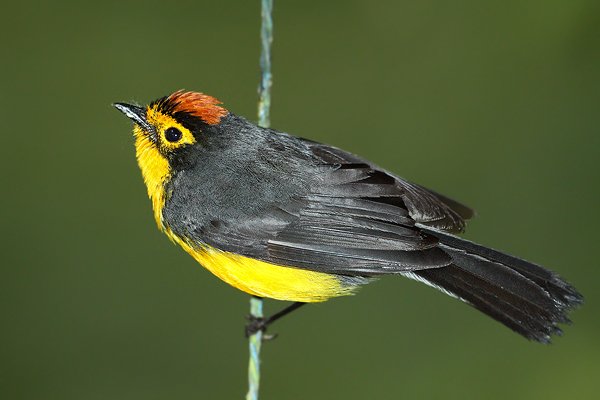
x=170 y=134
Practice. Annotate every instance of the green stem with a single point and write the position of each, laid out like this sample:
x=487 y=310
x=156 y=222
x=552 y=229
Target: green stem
x=266 y=80
x=264 y=104
x=255 y=341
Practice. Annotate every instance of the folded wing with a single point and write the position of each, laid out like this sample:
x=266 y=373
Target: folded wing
x=355 y=219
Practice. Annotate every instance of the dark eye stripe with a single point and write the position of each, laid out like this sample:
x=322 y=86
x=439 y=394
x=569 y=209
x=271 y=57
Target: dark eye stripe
x=173 y=134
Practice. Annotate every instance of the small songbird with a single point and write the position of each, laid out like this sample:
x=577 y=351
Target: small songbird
x=287 y=218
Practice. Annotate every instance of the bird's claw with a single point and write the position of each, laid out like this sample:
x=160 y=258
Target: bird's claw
x=256 y=324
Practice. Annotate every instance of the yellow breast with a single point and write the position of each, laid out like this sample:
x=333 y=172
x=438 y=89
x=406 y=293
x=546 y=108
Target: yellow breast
x=264 y=279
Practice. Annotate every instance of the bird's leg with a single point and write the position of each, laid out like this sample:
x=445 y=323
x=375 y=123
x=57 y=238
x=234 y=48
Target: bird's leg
x=256 y=324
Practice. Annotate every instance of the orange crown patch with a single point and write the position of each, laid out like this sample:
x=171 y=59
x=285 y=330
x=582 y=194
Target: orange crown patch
x=197 y=104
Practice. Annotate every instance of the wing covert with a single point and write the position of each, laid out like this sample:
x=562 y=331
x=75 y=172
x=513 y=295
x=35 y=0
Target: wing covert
x=354 y=219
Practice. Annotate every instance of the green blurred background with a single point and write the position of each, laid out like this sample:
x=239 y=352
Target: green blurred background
x=494 y=103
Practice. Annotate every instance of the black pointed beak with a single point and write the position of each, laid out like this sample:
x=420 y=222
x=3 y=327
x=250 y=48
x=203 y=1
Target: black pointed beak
x=136 y=114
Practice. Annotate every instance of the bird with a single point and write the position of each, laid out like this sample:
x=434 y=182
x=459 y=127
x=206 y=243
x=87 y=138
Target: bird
x=286 y=218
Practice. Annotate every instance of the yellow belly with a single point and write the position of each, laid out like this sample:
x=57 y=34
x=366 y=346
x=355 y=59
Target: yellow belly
x=263 y=279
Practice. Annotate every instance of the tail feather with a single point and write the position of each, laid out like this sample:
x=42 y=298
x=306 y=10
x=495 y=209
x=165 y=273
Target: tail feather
x=562 y=291
x=525 y=297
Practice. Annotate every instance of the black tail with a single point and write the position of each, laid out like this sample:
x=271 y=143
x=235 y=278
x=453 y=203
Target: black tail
x=525 y=297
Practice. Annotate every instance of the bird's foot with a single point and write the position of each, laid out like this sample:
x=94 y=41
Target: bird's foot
x=256 y=324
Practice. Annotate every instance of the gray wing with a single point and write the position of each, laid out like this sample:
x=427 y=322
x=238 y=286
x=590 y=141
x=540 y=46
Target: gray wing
x=358 y=220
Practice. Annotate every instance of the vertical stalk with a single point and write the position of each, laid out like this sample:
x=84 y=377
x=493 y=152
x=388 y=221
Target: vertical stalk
x=255 y=342
x=266 y=79
x=264 y=105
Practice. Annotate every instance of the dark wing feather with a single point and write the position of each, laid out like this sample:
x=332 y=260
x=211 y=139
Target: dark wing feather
x=354 y=239
x=424 y=206
x=355 y=220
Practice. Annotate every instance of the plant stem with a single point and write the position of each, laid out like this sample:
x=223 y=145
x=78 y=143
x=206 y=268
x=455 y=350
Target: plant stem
x=264 y=105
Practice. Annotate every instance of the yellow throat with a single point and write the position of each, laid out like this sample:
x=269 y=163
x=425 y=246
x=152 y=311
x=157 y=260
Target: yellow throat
x=155 y=171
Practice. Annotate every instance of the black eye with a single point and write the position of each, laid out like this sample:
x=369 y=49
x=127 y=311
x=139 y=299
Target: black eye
x=172 y=134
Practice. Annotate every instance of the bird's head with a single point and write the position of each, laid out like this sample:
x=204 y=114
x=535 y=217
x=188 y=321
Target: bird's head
x=166 y=130
x=173 y=122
